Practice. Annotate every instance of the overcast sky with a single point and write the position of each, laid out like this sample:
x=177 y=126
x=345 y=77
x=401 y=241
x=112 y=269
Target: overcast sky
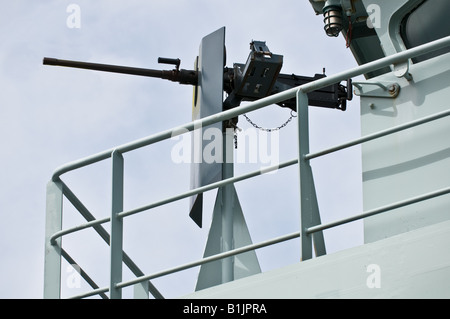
x=53 y=115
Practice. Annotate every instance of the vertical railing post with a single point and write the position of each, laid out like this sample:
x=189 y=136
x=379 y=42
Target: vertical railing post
x=53 y=224
x=309 y=208
x=227 y=206
x=305 y=182
x=116 y=237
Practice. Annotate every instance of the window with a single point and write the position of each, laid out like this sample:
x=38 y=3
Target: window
x=428 y=22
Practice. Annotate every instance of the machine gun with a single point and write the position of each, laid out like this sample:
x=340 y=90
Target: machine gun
x=257 y=78
x=260 y=77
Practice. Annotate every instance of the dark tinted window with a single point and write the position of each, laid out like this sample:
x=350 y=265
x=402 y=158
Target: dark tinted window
x=428 y=22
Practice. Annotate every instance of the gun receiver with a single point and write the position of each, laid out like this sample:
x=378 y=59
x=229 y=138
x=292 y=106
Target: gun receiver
x=258 y=78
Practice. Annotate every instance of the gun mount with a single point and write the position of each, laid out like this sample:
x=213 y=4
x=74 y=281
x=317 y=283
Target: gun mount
x=258 y=78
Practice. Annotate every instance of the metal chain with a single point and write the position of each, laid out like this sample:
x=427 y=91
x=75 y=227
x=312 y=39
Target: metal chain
x=236 y=128
x=270 y=129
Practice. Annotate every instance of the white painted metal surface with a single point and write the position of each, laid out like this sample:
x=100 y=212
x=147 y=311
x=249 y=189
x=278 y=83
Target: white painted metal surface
x=415 y=161
x=409 y=265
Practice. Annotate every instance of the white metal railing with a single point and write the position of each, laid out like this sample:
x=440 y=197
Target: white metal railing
x=310 y=218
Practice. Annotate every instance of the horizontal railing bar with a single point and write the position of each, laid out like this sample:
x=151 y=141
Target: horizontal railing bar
x=74 y=229
x=396 y=58
x=208 y=187
x=198 y=190
x=91 y=293
x=379 y=210
x=378 y=134
x=273 y=99
x=233 y=252
x=210 y=259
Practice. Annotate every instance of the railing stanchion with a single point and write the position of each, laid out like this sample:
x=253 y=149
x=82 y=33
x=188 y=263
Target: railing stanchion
x=53 y=224
x=116 y=236
x=304 y=178
x=309 y=208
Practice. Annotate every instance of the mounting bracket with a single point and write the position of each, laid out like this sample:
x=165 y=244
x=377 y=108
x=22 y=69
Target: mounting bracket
x=377 y=89
x=401 y=70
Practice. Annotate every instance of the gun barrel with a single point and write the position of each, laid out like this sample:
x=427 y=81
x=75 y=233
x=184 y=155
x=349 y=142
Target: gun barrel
x=181 y=76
